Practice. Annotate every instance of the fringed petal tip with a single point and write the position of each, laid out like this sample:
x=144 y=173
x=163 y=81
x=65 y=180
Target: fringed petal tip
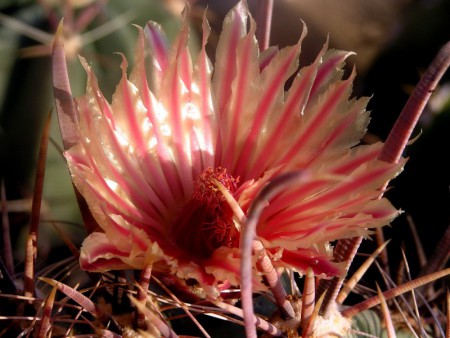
x=158 y=45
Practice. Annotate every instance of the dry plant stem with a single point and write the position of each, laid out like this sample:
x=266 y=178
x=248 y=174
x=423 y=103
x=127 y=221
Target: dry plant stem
x=308 y=328
x=440 y=255
x=350 y=284
x=435 y=314
x=28 y=274
x=65 y=303
x=400 y=273
x=436 y=262
x=45 y=324
x=416 y=308
x=163 y=328
x=308 y=300
x=419 y=247
x=412 y=315
x=397 y=291
x=259 y=322
x=406 y=320
x=271 y=276
x=390 y=330
x=67 y=115
x=60 y=270
x=247 y=239
x=144 y=283
x=406 y=308
x=28 y=330
x=31 y=246
x=87 y=304
x=103 y=317
x=183 y=306
x=7 y=253
x=380 y=239
x=399 y=137
x=264 y=23
x=344 y=251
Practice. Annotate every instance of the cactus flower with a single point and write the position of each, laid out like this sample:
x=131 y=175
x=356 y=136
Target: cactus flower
x=153 y=163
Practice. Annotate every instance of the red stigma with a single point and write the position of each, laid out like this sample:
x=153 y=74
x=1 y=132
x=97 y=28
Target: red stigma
x=206 y=221
x=206 y=190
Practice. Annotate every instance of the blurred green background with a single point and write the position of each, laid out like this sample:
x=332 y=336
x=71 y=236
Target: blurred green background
x=26 y=95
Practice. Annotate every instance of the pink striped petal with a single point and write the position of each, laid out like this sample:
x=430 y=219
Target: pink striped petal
x=330 y=70
x=271 y=95
x=159 y=50
x=238 y=114
x=99 y=254
x=234 y=28
x=157 y=161
x=206 y=129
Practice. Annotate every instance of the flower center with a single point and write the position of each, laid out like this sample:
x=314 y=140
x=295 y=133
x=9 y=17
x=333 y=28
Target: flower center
x=206 y=221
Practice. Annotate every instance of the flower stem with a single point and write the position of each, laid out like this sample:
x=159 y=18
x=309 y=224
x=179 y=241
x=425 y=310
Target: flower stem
x=344 y=251
x=277 y=185
x=271 y=276
x=31 y=246
x=144 y=282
